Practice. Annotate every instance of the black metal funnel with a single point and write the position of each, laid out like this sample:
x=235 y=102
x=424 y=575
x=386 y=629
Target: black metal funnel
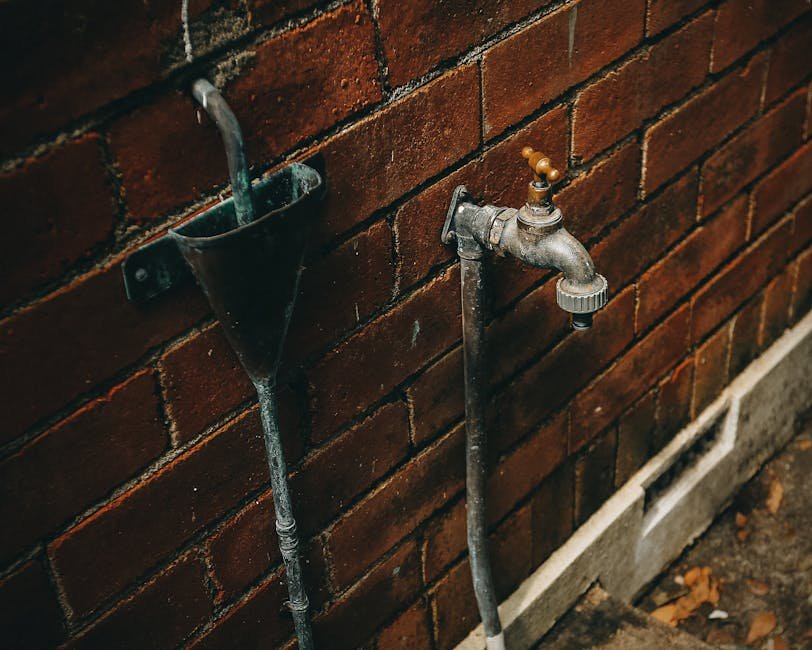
x=250 y=273
x=248 y=266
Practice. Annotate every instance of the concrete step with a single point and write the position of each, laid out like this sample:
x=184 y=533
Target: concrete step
x=601 y=621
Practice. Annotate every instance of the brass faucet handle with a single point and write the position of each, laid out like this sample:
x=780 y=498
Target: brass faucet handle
x=541 y=165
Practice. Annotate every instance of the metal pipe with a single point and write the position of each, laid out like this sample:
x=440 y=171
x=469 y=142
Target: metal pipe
x=473 y=331
x=218 y=109
x=285 y=522
x=534 y=235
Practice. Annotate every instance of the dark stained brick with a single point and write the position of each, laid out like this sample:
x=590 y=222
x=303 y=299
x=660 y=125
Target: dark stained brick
x=83 y=457
x=578 y=40
x=62 y=207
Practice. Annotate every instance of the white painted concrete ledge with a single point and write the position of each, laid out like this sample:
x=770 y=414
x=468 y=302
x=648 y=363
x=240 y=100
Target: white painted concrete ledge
x=647 y=523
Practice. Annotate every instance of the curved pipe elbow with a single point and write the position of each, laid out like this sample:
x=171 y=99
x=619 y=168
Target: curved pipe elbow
x=557 y=250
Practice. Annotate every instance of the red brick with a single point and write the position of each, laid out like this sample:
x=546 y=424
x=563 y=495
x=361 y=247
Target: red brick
x=781 y=188
x=418 y=225
x=409 y=630
x=629 y=378
x=418 y=35
x=571 y=44
x=673 y=404
x=802 y=297
x=634 y=433
x=789 y=61
x=711 y=366
x=386 y=590
x=617 y=104
x=744 y=336
x=503 y=176
x=30 y=616
x=777 y=302
x=740 y=279
x=437 y=397
x=160 y=615
x=406 y=337
x=512 y=544
x=202 y=380
x=327 y=66
x=105 y=52
x=596 y=199
x=802 y=234
x=522 y=471
x=324 y=486
x=499 y=177
x=62 y=207
x=454 y=603
x=444 y=540
x=664 y=13
x=397 y=507
x=509 y=278
x=341 y=290
x=594 y=476
x=677 y=140
x=384 y=156
x=166 y=157
x=270 y=11
x=742 y=24
x=649 y=232
x=509 y=344
x=260 y=621
x=167 y=160
x=245 y=548
x=89 y=331
x=83 y=458
x=753 y=151
x=682 y=269
x=120 y=542
x=546 y=385
x=552 y=512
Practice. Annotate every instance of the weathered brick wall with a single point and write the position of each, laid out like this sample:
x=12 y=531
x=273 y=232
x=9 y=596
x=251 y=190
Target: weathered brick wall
x=133 y=490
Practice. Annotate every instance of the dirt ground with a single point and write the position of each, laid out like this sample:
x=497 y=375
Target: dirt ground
x=760 y=552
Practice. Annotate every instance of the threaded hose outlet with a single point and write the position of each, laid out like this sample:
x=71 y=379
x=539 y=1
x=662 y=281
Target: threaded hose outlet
x=571 y=297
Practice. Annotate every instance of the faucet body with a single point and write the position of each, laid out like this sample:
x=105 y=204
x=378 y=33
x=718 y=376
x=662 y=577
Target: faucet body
x=533 y=234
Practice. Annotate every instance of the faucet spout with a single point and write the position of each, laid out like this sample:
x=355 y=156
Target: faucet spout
x=555 y=249
x=537 y=239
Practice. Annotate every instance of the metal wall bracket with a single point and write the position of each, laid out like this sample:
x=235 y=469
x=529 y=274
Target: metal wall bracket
x=153 y=269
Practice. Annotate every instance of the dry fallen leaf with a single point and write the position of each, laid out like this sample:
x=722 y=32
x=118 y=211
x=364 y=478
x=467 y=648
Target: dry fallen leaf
x=666 y=614
x=742 y=535
x=704 y=589
x=741 y=520
x=762 y=625
x=757 y=587
x=692 y=575
x=805 y=444
x=779 y=644
x=775 y=496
